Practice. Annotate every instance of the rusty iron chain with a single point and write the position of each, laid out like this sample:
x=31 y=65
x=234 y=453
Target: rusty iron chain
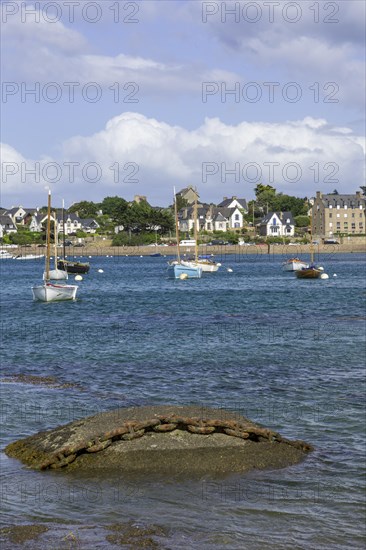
x=134 y=429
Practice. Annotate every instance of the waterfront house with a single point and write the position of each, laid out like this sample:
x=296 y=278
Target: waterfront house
x=7 y=225
x=336 y=213
x=234 y=202
x=211 y=218
x=277 y=224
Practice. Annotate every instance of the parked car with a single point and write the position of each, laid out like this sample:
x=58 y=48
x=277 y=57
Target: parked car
x=79 y=244
x=217 y=242
x=331 y=241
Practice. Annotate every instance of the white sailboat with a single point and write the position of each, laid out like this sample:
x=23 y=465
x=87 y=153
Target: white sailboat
x=51 y=292
x=207 y=265
x=177 y=268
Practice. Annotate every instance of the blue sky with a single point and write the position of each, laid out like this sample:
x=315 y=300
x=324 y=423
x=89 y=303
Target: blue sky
x=150 y=106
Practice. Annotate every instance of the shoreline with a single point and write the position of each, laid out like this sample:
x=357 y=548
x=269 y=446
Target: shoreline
x=95 y=249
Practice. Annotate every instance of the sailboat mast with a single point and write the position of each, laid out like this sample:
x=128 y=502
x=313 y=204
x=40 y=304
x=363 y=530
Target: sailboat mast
x=48 y=242
x=55 y=240
x=63 y=230
x=311 y=238
x=195 y=228
x=176 y=225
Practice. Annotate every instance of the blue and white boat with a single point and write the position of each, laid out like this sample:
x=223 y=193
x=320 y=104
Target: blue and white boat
x=179 y=270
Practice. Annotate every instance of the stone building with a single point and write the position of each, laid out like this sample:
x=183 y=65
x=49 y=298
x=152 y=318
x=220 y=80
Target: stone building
x=335 y=214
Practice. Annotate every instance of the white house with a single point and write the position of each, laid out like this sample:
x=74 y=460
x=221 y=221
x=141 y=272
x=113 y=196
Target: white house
x=72 y=223
x=277 y=224
x=7 y=225
x=211 y=218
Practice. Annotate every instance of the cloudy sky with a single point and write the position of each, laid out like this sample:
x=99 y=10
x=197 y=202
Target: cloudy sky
x=123 y=98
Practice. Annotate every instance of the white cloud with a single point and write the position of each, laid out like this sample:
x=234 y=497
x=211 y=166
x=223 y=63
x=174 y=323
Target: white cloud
x=158 y=156
x=306 y=50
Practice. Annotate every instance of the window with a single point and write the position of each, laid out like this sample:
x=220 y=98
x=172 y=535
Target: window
x=330 y=224
x=360 y=206
x=338 y=225
x=338 y=215
x=330 y=206
x=360 y=225
x=353 y=226
x=330 y=215
x=338 y=207
x=237 y=217
x=346 y=215
x=345 y=207
x=353 y=214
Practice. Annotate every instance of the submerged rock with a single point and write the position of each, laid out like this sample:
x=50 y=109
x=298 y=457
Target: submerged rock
x=174 y=439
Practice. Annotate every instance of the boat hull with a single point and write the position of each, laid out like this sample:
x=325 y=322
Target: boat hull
x=309 y=273
x=73 y=267
x=29 y=257
x=294 y=265
x=176 y=270
x=49 y=292
x=207 y=267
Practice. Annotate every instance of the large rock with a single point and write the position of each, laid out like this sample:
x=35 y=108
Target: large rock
x=159 y=439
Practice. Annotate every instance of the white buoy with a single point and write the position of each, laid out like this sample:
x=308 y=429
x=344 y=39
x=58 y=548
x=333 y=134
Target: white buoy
x=141 y=256
x=321 y=268
x=89 y=256
x=229 y=270
x=218 y=264
x=78 y=278
x=334 y=274
x=183 y=276
x=100 y=271
x=324 y=276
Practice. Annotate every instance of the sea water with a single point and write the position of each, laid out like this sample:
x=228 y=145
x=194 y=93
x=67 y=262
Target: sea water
x=285 y=352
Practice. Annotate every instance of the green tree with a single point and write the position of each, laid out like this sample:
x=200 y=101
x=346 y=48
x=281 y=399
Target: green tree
x=265 y=196
x=115 y=208
x=302 y=221
x=85 y=209
x=288 y=203
x=181 y=203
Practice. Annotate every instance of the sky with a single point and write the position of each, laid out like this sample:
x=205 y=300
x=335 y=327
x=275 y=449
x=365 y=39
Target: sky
x=132 y=98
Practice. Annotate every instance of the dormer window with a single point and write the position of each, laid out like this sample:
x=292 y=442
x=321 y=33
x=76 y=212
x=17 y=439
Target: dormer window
x=345 y=207
x=330 y=206
x=338 y=207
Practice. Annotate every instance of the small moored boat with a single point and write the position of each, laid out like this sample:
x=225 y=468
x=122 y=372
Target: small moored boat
x=294 y=264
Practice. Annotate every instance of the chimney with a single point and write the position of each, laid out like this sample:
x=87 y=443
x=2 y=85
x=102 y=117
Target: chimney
x=234 y=198
x=358 y=194
x=318 y=195
x=225 y=199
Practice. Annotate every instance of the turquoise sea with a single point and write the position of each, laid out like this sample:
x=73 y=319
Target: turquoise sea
x=287 y=353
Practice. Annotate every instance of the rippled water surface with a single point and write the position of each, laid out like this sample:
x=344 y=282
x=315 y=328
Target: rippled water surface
x=287 y=353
